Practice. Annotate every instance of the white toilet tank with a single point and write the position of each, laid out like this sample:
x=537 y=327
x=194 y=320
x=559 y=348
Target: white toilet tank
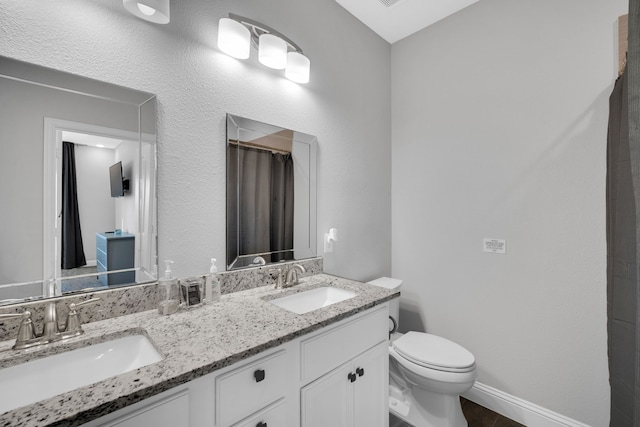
x=394 y=304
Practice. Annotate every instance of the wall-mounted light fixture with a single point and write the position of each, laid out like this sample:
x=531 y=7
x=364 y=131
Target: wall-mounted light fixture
x=236 y=35
x=156 y=11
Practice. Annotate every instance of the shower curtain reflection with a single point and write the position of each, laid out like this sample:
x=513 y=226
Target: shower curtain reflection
x=72 y=248
x=260 y=189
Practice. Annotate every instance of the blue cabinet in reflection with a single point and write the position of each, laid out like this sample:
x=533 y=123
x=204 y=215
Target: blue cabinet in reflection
x=115 y=252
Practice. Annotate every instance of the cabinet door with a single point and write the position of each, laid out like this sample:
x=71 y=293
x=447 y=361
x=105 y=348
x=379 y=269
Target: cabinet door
x=328 y=401
x=371 y=387
x=170 y=412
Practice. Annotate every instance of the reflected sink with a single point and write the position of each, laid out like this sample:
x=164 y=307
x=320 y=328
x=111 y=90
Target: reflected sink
x=40 y=379
x=313 y=299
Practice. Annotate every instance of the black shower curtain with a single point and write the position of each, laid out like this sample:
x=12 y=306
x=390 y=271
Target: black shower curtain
x=72 y=250
x=623 y=235
x=260 y=201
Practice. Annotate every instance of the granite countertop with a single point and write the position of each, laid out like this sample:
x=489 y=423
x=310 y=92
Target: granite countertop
x=193 y=343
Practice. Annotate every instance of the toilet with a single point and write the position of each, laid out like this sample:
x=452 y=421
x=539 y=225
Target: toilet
x=427 y=373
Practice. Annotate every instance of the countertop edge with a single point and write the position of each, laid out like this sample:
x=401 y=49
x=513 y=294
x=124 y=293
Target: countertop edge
x=39 y=413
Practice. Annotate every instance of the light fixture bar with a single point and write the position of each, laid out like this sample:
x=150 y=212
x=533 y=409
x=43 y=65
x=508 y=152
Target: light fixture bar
x=236 y=34
x=257 y=29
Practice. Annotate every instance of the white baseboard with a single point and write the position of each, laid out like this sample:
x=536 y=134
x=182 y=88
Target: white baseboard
x=522 y=411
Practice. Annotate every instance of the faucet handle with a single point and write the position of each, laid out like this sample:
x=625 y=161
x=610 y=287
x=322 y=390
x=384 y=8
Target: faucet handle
x=73 y=326
x=26 y=330
x=278 y=278
x=14 y=315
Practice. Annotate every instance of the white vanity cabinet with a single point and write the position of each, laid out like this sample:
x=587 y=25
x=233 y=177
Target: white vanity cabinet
x=171 y=411
x=252 y=387
x=336 y=376
x=187 y=405
x=349 y=395
x=353 y=394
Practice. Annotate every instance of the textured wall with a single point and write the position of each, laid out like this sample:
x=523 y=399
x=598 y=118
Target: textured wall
x=499 y=131
x=346 y=104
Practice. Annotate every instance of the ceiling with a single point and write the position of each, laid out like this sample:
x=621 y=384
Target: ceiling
x=394 y=20
x=91 y=140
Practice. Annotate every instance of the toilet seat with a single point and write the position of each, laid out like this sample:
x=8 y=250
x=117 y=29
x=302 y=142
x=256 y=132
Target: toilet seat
x=434 y=352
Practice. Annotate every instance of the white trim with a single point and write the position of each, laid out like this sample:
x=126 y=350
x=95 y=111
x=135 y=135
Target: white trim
x=517 y=409
x=90 y=129
x=50 y=205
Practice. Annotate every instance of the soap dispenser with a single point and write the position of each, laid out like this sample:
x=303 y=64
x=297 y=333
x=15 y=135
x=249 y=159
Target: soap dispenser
x=212 y=287
x=169 y=292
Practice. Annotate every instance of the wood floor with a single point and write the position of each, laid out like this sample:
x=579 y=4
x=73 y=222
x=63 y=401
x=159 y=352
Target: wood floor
x=476 y=415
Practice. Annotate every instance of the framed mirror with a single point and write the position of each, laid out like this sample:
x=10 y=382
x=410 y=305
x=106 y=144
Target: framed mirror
x=77 y=184
x=271 y=194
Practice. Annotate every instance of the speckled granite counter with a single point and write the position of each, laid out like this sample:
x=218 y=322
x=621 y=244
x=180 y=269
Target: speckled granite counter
x=193 y=343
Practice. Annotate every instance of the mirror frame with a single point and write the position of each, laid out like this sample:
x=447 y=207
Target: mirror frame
x=37 y=75
x=235 y=124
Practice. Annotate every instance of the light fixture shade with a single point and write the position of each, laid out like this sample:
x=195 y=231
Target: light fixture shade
x=272 y=51
x=234 y=39
x=298 y=67
x=156 y=11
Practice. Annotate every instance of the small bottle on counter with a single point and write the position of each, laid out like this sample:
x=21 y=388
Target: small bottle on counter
x=212 y=287
x=192 y=291
x=169 y=293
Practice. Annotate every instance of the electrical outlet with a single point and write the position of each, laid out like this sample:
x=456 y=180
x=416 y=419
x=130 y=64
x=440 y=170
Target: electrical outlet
x=494 y=246
x=328 y=243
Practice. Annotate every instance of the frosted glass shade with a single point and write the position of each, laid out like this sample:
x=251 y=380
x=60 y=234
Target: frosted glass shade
x=298 y=67
x=272 y=51
x=234 y=39
x=156 y=11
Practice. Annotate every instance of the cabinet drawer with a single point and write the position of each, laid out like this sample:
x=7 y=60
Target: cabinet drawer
x=322 y=353
x=101 y=242
x=101 y=257
x=172 y=411
x=251 y=387
x=273 y=416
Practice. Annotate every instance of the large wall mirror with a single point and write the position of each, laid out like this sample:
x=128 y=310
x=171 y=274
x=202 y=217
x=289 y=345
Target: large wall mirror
x=271 y=194
x=77 y=184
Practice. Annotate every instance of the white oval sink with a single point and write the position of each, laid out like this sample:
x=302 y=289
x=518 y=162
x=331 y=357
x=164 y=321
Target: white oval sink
x=40 y=379
x=312 y=299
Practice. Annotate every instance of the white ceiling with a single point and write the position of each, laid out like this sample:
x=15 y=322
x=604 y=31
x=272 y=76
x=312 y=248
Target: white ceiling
x=394 y=20
x=91 y=140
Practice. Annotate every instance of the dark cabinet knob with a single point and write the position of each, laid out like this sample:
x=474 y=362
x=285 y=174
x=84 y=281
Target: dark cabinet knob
x=261 y=424
x=360 y=372
x=352 y=377
x=259 y=376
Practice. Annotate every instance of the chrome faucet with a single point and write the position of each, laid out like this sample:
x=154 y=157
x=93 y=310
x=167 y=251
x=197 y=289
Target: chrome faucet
x=291 y=278
x=287 y=277
x=51 y=331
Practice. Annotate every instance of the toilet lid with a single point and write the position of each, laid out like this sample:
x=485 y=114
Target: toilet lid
x=434 y=352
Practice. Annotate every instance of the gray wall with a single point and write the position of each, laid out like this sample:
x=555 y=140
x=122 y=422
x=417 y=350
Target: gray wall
x=499 y=131
x=23 y=109
x=346 y=104
x=97 y=207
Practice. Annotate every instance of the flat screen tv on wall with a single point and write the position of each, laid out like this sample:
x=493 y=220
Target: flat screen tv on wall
x=118 y=183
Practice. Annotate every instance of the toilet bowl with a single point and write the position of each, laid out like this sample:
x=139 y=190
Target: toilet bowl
x=427 y=374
